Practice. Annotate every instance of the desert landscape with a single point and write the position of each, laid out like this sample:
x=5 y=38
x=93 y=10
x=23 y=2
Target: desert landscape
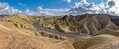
x=88 y=31
x=59 y=24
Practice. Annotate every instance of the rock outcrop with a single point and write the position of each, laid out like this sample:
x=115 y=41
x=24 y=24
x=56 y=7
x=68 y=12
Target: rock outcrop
x=19 y=21
x=108 y=31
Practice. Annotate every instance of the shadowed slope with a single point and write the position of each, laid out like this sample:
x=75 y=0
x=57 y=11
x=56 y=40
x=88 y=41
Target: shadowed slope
x=108 y=31
x=97 y=42
x=83 y=24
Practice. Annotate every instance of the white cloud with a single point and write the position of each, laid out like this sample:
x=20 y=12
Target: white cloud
x=109 y=7
x=84 y=7
x=68 y=1
x=39 y=11
x=5 y=9
x=22 y=4
x=114 y=6
x=30 y=13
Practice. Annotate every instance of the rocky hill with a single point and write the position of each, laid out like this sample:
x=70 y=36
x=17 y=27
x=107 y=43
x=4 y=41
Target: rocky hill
x=83 y=24
x=88 y=31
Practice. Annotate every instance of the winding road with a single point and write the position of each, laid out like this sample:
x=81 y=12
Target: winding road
x=55 y=32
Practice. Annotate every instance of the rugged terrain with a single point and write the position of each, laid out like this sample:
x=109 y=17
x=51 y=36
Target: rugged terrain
x=88 y=31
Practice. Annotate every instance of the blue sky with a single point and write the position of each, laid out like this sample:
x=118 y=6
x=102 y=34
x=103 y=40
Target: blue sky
x=32 y=4
x=59 y=7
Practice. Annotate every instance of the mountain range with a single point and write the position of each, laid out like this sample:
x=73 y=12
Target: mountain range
x=88 y=31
